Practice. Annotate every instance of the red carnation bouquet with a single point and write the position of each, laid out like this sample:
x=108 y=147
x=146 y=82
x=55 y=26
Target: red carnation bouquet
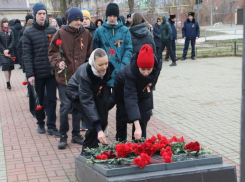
x=59 y=43
x=140 y=153
x=38 y=106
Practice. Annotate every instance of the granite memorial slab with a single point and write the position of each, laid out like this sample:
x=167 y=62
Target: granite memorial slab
x=204 y=168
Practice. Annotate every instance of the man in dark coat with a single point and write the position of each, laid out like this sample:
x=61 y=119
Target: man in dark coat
x=190 y=32
x=59 y=22
x=171 y=21
x=16 y=30
x=72 y=36
x=28 y=17
x=129 y=20
x=166 y=34
x=39 y=71
x=157 y=36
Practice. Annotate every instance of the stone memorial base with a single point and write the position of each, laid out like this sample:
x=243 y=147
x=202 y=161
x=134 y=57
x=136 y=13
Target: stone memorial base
x=207 y=168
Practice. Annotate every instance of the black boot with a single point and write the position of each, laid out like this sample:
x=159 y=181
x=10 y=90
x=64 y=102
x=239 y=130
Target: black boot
x=173 y=63
x=8 y=86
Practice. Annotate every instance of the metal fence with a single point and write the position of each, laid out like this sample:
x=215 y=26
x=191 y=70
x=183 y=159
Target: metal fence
x=210 y=49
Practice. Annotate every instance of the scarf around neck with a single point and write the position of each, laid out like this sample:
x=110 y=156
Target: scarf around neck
x=5 y=29
x=93 y=66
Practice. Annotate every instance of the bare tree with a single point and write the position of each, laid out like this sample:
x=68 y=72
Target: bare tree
x=131 y=6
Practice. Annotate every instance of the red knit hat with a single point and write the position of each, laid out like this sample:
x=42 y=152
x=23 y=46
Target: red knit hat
x=146 y=57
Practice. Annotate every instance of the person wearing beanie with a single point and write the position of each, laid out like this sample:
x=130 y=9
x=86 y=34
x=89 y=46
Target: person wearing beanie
x=112 y=35
x=166 y=37
x=157 y=35
x=39 y=71
x=133 y=93
x=27 y=17
x=6 y=48
x=171 y=21
x=190 y=33
x=77 y=45
x=129 y=20
x=87 y=23
x=59 y=22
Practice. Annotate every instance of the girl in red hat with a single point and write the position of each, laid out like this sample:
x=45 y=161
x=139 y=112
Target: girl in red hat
x=133 y=93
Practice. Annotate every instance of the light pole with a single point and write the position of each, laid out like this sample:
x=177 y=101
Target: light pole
x=242 y=148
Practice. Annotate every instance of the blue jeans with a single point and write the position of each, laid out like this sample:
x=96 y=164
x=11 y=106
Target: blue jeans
x=50 y=84
x=65 y=105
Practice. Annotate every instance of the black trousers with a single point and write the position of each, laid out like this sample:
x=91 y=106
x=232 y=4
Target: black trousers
x=121 y=128
x=173 y=45
x=50 y=84
x=169 y=48
x=91 y=135
x=32 y=105
x=187 y=42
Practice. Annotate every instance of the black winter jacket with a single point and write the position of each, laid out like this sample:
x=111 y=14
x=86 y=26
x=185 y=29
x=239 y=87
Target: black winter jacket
x=140 y=36
x=20 y=54
x=133 y=101
x=84 y=86
x=92 y=28
x=36 y=40
x=157 y=35
x=6 y=42
x=16 y=30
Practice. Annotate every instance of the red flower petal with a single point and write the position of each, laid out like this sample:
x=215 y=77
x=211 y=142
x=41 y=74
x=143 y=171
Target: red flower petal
x=112 y=51
x=58 y=42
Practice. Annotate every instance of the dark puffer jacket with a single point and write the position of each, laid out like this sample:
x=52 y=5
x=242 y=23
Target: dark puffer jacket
x=20 y=54
x=157 y=36
x=35 y=47
x=16 y=30
x=132 y=99
x=191 y=29
x=84 y=85
x=6 y=42
x=140 y=36
x=174 y=31
x=92 y=28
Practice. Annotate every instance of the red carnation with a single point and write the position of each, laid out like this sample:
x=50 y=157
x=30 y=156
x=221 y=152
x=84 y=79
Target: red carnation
x=193 y=146
x=104 y=157
x=112 y=51
x=39 y=108
x=142 y=161
x=98 y=157
x=58 y=42
x=14 y=59
x=167 y=154
x=123 y=150
x=24 y=83
x=111 y=155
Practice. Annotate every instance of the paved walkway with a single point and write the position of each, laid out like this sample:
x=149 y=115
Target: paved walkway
x=199 y=100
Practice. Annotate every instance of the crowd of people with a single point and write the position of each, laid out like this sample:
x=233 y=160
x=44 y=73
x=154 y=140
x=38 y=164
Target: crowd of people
x=94 y=66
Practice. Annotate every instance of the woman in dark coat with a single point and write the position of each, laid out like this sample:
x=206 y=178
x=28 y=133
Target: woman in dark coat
x=6 y=50
x=98 y=23
x=140 y=34
x=133 y=93
x=89 y=93
x=157 y=36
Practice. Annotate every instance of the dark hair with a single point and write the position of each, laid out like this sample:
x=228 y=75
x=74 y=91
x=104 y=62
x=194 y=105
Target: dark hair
x=138 y=18
x=99 y=53
x=4 y=20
